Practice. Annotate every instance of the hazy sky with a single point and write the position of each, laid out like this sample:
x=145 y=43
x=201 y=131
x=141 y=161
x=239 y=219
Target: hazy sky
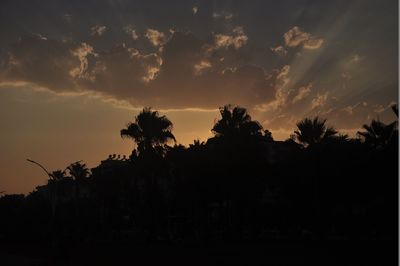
x=73 y=73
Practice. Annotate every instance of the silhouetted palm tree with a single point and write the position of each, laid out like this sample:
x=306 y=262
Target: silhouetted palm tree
x=57 y=175
x=78 y=170
x=378 y=134
x=149 y=131
x=242 y=184
x=55 y=189
x=235 y=121
x=197 y=144
x=341 y=137
x=313 y=131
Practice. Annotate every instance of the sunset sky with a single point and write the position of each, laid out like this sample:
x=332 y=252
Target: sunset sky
x=73 y=73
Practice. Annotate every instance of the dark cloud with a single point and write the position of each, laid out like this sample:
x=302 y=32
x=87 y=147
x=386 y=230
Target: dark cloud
x=216 y=53
x=41 y=61
x=185 y=72
x=191 y=75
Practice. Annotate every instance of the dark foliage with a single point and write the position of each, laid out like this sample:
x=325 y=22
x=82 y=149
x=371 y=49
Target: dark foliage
x=240 y=186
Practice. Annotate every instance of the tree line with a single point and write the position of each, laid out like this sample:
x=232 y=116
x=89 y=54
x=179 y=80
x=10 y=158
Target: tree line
x=239 y=185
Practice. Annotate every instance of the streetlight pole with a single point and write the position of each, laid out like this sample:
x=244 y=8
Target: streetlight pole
x=52 y=197
x=41 y=166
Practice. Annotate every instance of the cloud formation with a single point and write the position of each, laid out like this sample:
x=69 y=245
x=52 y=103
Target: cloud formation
x=302 y=93
x=225 y=15
x=320 y=100
x=192 y=72
x=82 y=52
x=97 y=30
x=279 y=80
x=184 y=73
x=130 y=30
x=350 y=109
x=379 y=108
x=201 y=66
x=208 y=61
x=44 y=62
x=296 y=37
x=155 y=37
x=280 y=50
x=236 y=40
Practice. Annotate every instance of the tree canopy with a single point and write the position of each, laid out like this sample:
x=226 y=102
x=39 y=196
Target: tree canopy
x=312 y=131
x=235 y=121
x=149 y=130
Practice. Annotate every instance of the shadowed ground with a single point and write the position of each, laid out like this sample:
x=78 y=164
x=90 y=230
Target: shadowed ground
x=280 y=253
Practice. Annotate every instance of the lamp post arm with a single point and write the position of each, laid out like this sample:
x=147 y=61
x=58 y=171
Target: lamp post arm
x=41 y=166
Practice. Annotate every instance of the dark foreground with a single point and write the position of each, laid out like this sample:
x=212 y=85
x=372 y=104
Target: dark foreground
x=332 y=252
x=241 y=198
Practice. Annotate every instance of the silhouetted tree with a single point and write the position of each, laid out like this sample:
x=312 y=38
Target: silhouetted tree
x=241 y=185
x=313 y=131
x=78 y=170
x=197 y=144
x=235 y=121
x=57 y=175
x=377 y=134
x=268 y=136
x=149 y=131
x=340 y=138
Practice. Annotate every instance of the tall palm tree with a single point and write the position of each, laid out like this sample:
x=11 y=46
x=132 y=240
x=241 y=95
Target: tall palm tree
x=79 y=173
x=78 y=170
x=378 y=134
x=150 y=131
x=235 y=121
x=313 y=131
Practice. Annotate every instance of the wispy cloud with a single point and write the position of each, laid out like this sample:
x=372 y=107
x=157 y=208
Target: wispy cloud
x=379 y=108
x=201 y=66
x=320 y=100
x=224 y=14
x=280 y=79
x=82 y=52
x=355 y=59
x=351 y=108
x=97 y=30
x=129 y=29
x=302 y=93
